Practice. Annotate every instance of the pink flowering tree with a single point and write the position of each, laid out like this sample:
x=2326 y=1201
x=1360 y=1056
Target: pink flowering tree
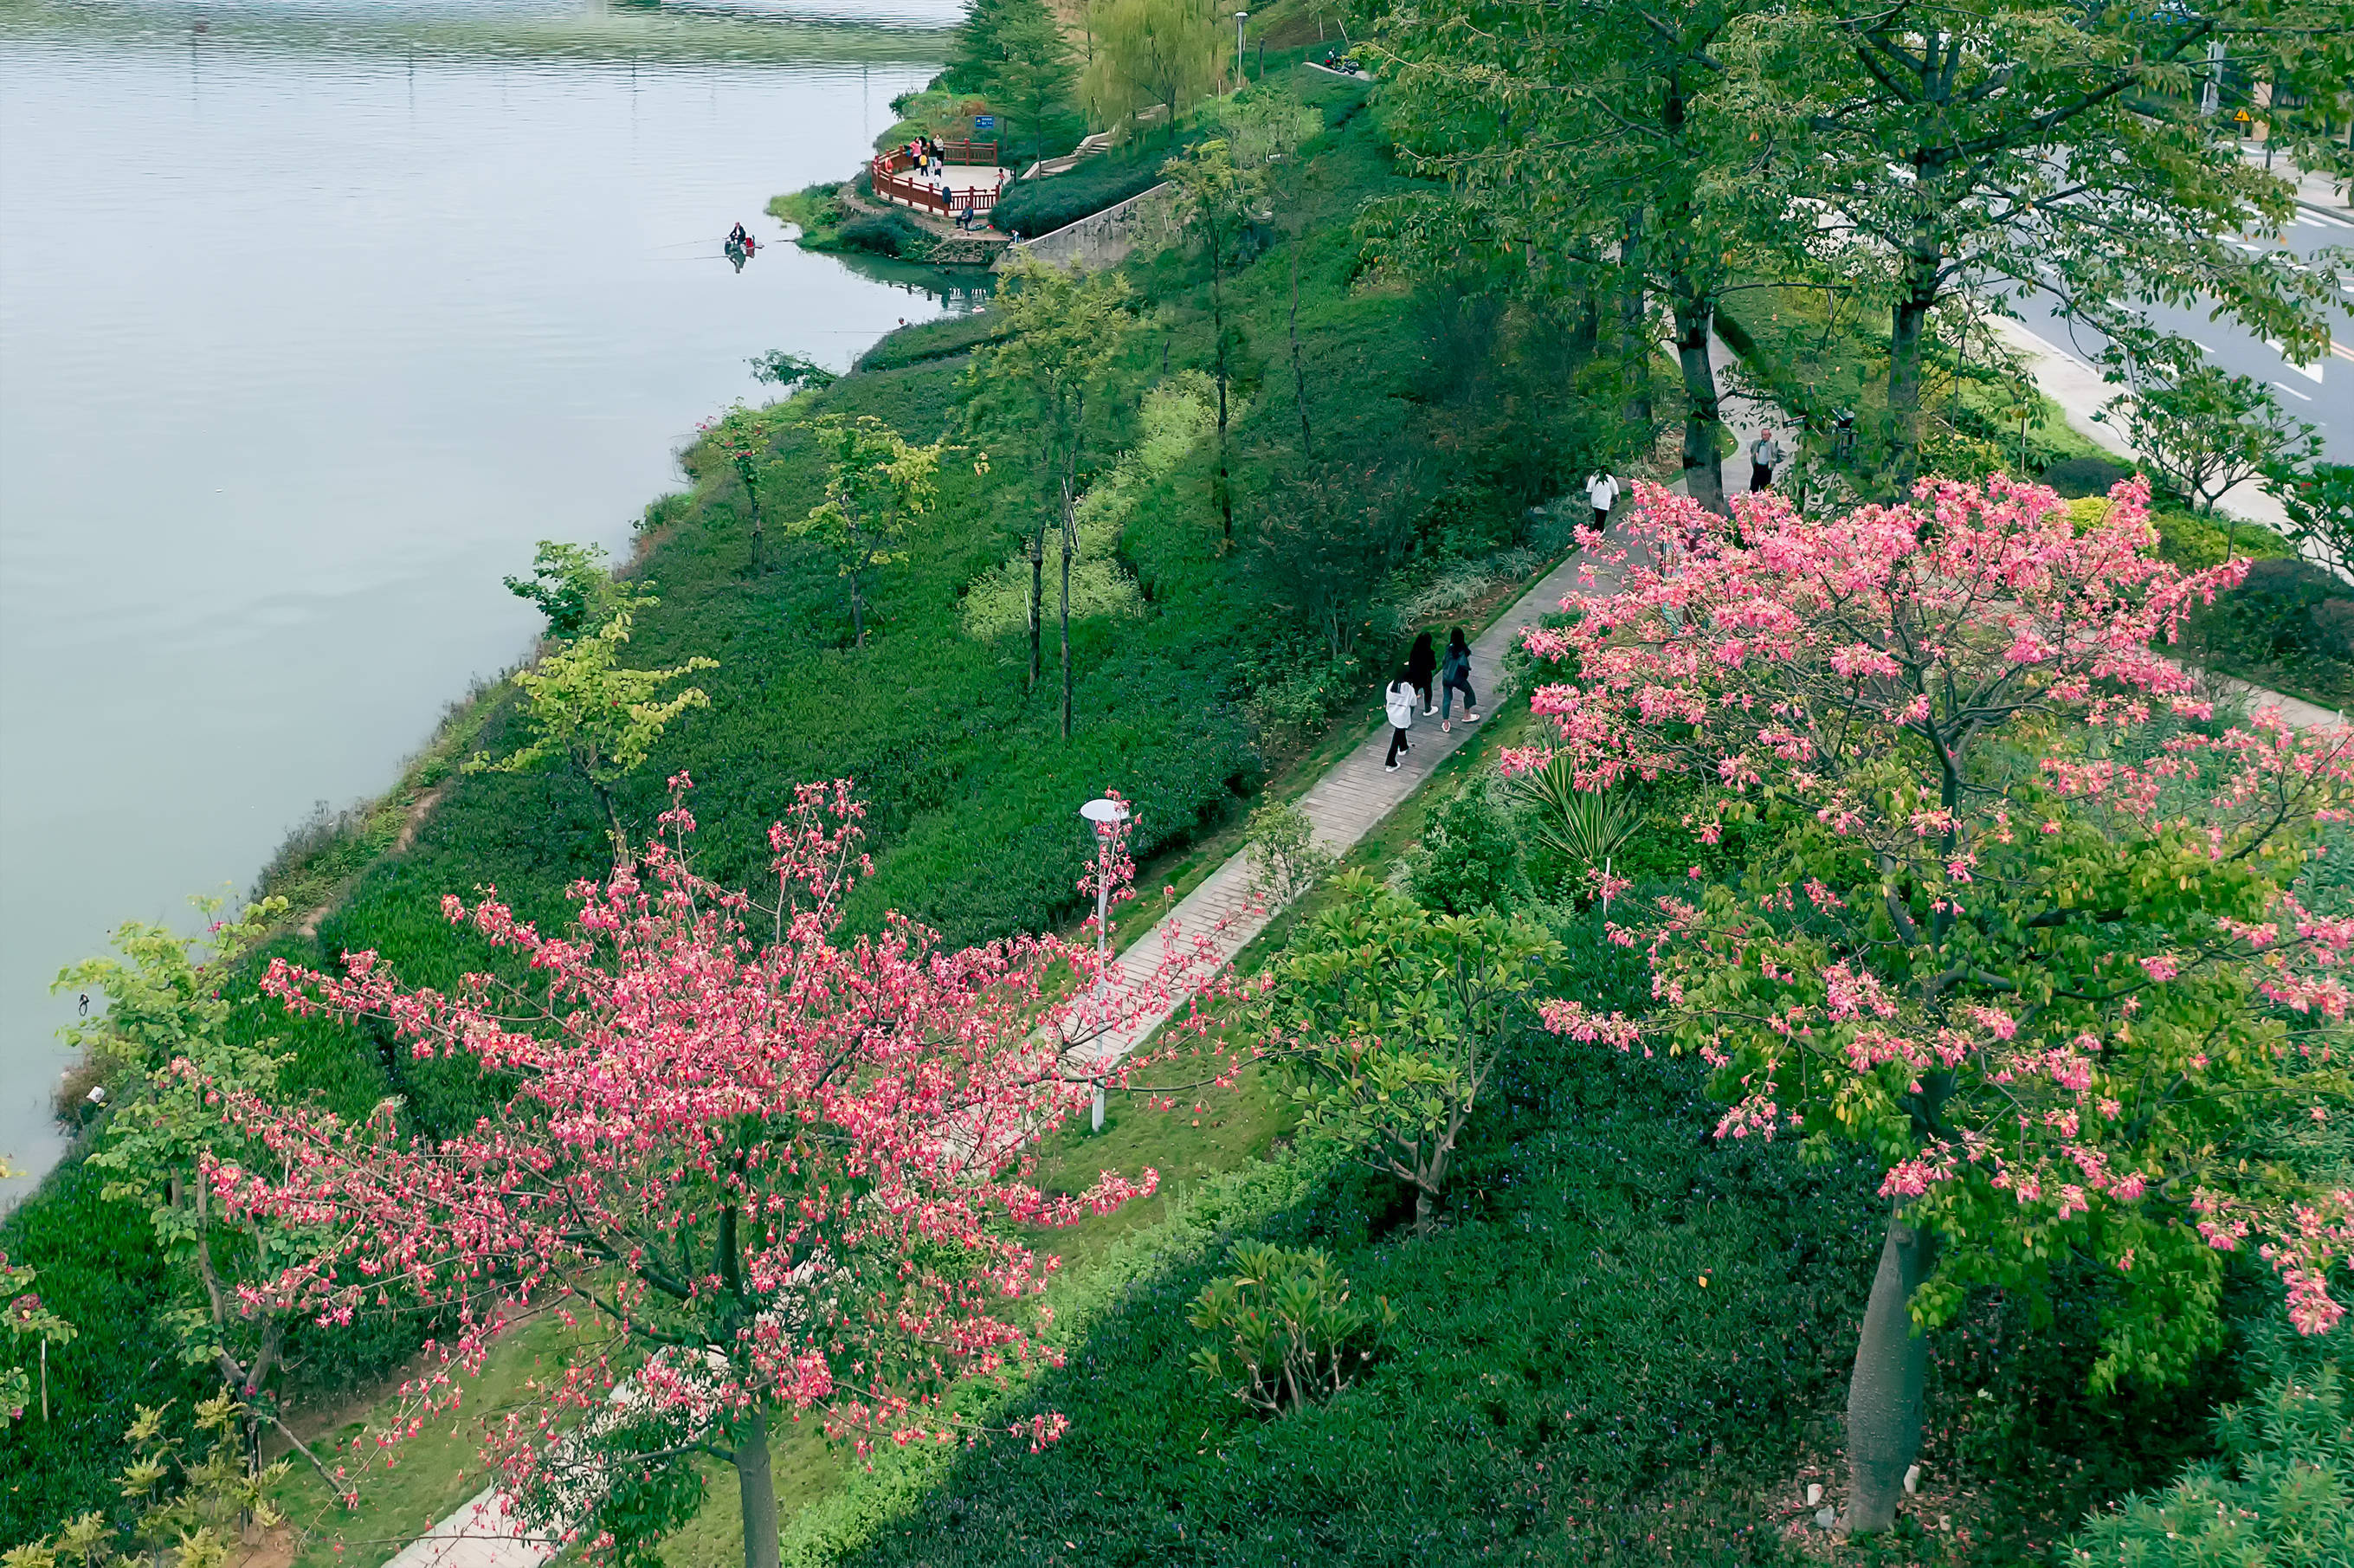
x=2017 y=918
x=765 y=1171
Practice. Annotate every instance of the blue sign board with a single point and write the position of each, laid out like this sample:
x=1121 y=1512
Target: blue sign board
x=984 y=122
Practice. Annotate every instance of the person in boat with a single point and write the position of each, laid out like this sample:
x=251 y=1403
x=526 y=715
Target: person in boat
x=738 y=237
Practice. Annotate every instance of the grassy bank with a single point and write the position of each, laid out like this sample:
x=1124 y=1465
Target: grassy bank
x=970 y=788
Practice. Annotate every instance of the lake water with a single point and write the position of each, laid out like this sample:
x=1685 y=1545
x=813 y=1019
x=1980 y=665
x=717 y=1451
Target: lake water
x=313 y=319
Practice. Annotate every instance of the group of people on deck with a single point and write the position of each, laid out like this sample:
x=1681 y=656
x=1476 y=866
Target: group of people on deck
x=927 y=160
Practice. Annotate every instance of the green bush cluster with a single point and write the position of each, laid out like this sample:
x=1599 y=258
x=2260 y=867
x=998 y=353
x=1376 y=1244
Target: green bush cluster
x=1282 y=1332
x=883 y=234
x=2290 y=623
x=1036 y=206
x=946 y=338
x=2281 y=1494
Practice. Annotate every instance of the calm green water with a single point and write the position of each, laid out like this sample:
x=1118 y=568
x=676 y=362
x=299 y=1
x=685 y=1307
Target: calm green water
x=313 y=319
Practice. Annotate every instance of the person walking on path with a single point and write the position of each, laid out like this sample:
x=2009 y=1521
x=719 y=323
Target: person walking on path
x=1421 y=669
x=1602 y=495
x=1765 y=455
x=1455 y=675
x=1399 y=701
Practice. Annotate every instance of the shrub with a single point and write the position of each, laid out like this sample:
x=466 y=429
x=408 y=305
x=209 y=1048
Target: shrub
x=1586 y=830
x=665 y=510
x=2281 y=1495
x=1284 y=1332
x=926 y=342
x=2194 y=543
x=1292 y=711
x=1468 y=860
x=2078 y=476
x=2269 y=617
x=1286 y=859
x=1033 y=207
x=885 y=234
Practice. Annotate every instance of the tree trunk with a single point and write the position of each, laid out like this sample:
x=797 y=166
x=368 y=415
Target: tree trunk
x=1037 y=597
x=1704 y=473
x=1907 y=328
x=1634 y=347
x=756 y=1488
x=1883 y=1396
x=857 y=614
x=1298 y=377
x=1067 y=615
x=1218 y=325
x=613 y=813
x=752 y=505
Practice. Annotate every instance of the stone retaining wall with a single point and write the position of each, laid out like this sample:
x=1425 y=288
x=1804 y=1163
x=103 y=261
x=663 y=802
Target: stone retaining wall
x=1105 y=238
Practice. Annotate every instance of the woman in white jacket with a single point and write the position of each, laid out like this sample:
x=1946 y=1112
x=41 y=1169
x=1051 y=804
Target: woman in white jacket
x=1400 y=700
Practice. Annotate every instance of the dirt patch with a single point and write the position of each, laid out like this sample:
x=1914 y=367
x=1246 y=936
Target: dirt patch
x=419 y=809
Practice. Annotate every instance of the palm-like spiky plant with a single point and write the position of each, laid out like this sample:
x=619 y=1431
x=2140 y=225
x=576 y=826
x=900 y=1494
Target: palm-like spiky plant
x=1584 y=827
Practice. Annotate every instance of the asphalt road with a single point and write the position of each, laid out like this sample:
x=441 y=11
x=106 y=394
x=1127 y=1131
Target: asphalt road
x=2321 y=392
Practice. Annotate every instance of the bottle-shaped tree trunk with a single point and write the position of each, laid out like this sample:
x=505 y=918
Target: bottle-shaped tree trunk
x=1908 y=332
x=756 y=1490
x=1884 y=1396
x=1634 y=334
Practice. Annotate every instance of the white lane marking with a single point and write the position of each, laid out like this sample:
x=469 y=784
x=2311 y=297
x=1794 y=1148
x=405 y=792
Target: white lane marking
x=2342 y=351
x=2292 y=391
x=2324 y=217
x=2203 y=347
x=2310 y=372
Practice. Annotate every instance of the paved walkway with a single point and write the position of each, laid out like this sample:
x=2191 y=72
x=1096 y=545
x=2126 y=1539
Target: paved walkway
x=1344 y=805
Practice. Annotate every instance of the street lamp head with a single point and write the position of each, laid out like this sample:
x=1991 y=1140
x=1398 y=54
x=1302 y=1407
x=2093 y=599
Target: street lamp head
x=1104 y=812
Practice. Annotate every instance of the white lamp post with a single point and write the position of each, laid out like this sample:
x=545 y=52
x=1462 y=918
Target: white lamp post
x=1238 y=50
x=1102 y=815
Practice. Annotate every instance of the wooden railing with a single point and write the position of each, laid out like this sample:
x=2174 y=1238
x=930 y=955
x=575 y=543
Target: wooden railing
x=891 y=184
x=971 y=153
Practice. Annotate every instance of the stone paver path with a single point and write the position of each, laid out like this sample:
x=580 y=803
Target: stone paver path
x=1344 y=805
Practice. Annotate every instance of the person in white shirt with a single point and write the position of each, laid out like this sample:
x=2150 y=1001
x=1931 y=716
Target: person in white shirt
x=1399 y=700
x=1602 y=495
x=1765 y=455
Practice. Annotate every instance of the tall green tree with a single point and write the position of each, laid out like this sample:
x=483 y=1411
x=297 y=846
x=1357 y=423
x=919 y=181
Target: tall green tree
x=1036 y=385
x=747 y=438
x=576 y=589
x=1389 y=1021
x=1013 y=54
x=2010 y=147
x=1617 y=139
x=581 y=706
x=168 y=1051
x=876 y=486
x=2204 y=429
x=1173 y=53
x=1217 y=202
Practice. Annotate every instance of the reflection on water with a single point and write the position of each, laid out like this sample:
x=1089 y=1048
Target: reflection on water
x=305 y=340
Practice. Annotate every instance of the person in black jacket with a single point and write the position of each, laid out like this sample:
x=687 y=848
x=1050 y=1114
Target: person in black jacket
x=1455 y=675
x=1422 y=670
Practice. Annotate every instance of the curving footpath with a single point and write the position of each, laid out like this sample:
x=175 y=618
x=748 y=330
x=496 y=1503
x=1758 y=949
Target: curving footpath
x=1344 y=805
x=1348 y=803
